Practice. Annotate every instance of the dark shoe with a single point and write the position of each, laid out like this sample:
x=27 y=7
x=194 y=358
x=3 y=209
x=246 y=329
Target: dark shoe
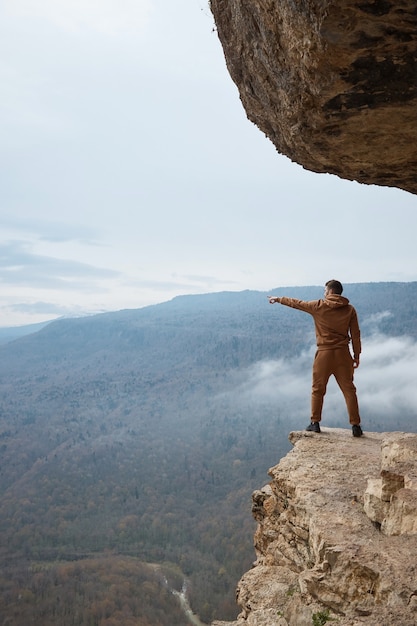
x=357 y=430
x=314 y=427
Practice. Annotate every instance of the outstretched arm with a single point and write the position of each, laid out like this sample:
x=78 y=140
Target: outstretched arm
x=301 y=305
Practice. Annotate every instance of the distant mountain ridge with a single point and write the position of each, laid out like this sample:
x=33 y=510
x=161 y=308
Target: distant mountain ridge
x=10 y=333
x=242 y=315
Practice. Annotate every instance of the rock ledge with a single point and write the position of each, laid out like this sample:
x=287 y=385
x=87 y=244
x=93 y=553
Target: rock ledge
x=336 y=535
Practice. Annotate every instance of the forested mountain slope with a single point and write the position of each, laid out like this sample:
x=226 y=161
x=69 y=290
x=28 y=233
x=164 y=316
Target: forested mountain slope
x=128 y=435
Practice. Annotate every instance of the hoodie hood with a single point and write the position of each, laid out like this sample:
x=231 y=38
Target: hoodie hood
x=335 y=301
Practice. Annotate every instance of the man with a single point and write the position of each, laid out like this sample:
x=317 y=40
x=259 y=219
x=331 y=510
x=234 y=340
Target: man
x=336 y=324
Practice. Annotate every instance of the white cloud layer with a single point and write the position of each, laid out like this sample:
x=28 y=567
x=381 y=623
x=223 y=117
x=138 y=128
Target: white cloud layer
x=387 y=378
x=385 y=381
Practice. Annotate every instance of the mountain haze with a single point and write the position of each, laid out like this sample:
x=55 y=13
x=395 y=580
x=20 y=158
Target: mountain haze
x=137 y=437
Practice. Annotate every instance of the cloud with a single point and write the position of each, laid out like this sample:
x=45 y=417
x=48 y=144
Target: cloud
x=51 y=231
x=20 y=266
x=185 y=283
x=207 y=281
x=385 y=381
x=108 y=17
x=39 y=308
x=37 y=311
x=371 y=325
x=280 y=387
x=160 y=285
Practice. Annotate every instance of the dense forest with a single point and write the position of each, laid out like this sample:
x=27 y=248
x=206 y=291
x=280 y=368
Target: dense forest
x=131 y=443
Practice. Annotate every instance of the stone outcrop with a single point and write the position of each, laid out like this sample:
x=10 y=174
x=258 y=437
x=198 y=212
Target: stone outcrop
x=332 y=83
x=336 y=535
x=391 y=500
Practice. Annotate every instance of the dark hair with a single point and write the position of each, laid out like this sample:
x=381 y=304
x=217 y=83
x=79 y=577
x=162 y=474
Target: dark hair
x=335 y=286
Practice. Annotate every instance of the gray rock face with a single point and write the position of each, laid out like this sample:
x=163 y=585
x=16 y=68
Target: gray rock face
x=332 y=83
x=336 y=537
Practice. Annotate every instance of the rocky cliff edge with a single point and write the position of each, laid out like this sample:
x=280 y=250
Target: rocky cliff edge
x=336 y=539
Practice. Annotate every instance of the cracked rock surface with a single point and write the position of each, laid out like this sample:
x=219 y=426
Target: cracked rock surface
x=336 y=534
x=332 y=83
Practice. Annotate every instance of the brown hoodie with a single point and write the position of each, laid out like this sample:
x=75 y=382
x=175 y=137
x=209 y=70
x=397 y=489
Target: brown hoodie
x=335 y=320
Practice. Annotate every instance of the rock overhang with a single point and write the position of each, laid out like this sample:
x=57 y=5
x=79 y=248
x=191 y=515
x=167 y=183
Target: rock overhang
x=332 y=83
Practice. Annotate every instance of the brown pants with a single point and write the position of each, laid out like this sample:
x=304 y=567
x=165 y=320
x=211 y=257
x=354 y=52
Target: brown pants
x=339 y=363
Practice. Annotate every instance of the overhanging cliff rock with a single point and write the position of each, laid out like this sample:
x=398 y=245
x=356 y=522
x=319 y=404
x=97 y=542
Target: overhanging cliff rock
x=332 y=83
x=336 y=535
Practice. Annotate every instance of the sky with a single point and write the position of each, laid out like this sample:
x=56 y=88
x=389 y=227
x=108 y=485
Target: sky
x=130 y=174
